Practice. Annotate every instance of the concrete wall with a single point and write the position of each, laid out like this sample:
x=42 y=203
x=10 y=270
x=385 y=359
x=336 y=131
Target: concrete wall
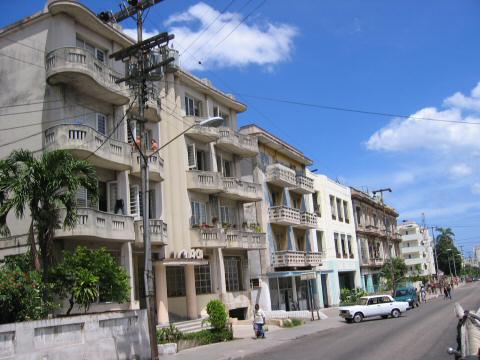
x=120 y=335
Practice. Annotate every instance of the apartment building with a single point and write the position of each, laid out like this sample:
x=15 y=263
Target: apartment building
x=377 y=236
x=210 y=196
x=417 y=249
x=336 y=238
x=287 y=279
x=58 y=61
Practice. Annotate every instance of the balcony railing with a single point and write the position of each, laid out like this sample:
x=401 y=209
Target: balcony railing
x=208 y=182
x=155 y=165
x=308 y=220
x=204 y=133
x=158 y=232
x=304 y=185
x=237 y=189
x=98 y=225
x=83 y=141
x=233 y=239
x=284 y=215
x=78 y=67
x=280 y=175
x=289 y=258
x=376 y=262
x=240 y=144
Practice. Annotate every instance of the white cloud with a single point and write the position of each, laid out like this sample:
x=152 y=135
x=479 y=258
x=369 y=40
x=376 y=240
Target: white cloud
x=460 y=170
x=476 y=188
x=414 y=133
x=260 y=43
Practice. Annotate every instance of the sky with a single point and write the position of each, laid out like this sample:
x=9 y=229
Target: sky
x=414 y=62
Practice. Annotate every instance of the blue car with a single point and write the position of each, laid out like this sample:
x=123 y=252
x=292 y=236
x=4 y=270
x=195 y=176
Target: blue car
x=408 y=294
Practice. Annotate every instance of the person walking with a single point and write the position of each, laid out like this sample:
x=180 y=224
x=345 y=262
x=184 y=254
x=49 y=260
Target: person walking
x=258 y=322
x=445 y=293
x=423 y=294
x=449 y=291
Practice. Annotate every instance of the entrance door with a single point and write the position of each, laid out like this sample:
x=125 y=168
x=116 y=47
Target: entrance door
x=286 y=293
x=325 y=290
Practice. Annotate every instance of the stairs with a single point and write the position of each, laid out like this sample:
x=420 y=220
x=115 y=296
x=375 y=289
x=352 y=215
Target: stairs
x=189 y=326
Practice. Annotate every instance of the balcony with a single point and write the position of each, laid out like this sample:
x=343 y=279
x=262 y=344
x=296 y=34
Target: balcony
x=83 y=141
x=376 y=262
x=236 y=189
x=289 y=258
x=204 y=134
x=239 y=144
x=97 y=225
x=80 y=69
x=414 y=261
x=411 y=249
x=245 y=240
x=155 y=166
x=158 y=232
x=280 y=175
x=207 y=182
x=152 y=110
x=304 y=185
x=207 y=237
x=283 y=215
x=308 y=220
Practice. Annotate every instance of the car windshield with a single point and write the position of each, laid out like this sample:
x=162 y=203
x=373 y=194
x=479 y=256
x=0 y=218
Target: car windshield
x=362 y=301
x=400 y=292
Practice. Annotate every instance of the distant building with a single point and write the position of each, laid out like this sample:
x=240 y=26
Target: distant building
x=477 y=255
x=417 y=249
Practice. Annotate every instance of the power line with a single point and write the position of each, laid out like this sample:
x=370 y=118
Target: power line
x=28 y=104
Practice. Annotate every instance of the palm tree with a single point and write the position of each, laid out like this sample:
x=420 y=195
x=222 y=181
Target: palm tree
x=42 y=186
x=446 y=250
x=446 y=234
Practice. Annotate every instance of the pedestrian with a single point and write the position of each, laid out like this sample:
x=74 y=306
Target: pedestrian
x=445 y=293
x=449 y=292
x=423 y=294
x=258 y=322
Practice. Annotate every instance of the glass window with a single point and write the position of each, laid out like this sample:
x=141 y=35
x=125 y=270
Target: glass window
x=233 y=273
x=100 y=55
x=102 y=124
x=192 y=106
x=320 y=241
x=203 y=282
x=349 y=242
x=175 y=281
x=199 y=213
x=335 y=240
x=345 y=212
x=227 y=168
x=339 y=210
x=359 y=215
x=332 y=207
x=344 y=246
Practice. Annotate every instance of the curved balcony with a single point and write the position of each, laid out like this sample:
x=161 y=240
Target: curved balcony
x=204 y=134
x=78 y=68
x=281 y=175
x=155 y=166
x=236 y=189
x=152 y=110
x=83 y=141
x=207 y=182
x=98 y=225
x=239 y=144
x=158 y=232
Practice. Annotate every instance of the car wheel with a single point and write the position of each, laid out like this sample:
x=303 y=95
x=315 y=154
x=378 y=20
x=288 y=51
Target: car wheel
x=395 y=313
x=358 y=317
x=384 y=316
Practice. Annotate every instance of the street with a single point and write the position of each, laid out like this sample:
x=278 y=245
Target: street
x=422 y=333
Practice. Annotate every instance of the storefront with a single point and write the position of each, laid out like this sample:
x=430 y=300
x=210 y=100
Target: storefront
x=293 y=290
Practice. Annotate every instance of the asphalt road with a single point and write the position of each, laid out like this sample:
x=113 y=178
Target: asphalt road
x=422 y=333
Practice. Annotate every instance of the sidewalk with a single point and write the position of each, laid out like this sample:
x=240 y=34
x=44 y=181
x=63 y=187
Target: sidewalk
x=246 y=346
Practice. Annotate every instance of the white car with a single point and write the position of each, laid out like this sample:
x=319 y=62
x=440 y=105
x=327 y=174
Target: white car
x=375 y=305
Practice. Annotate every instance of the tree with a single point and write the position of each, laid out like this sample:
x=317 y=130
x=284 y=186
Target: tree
x=447 y=253
x=87 y=275
x=21 y=289
x=394 y=271
x=43 y=186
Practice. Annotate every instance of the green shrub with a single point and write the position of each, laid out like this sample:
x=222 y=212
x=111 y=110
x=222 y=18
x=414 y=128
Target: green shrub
x=217 y=315
x=297 y=322
x=288 y=323
x=169 y=335
x=205 y=337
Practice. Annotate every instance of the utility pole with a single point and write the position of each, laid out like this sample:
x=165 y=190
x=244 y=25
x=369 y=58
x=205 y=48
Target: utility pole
x=137 y=75
x=435 y=250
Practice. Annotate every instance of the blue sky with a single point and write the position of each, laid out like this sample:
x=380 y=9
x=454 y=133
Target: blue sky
x=406 y=58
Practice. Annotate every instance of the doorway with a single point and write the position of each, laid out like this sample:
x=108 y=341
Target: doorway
x=324 y=278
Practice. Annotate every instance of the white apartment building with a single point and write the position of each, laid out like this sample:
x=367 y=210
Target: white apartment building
x=58 y=62
x=286 y=214
x=336 y=238
x=417 y=249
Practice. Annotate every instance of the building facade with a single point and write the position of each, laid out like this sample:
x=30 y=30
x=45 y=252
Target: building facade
x=287 y=280
x=417 y=249
x=336 y=238
x=377 y=236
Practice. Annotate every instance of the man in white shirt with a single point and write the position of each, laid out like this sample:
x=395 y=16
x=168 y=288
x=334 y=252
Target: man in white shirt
x=258 y=321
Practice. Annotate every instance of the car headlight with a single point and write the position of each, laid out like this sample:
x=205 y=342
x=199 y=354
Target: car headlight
x=409 y=299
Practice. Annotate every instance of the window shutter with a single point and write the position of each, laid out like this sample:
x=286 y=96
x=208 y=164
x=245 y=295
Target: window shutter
x=192 y=156
x=130 y=128
x=203 y=213
x=81 y=197
x=112 y=193
x=134 y=201
x=102 y=124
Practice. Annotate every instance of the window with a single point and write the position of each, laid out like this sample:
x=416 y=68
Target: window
x=233 y=273
x=134 y=200
x=192 y=106
x=359 y=215
x=203 y=282
x=97 y=53
x=175 y=281
x=227 y=215
x=84 y=198
x=316 y=204
x=216 y=111
x=386 y=299
x=100 y=55
x=102 y=124
x=201 y=160
x=320 y=241
x=199 y=213
x=349 y=242
x=112 y=195
x=227 y=168
x=192 y=156
x=339 y=210
x=265 y=159
x=344 y=246
x=102 y=196
x=345 y=212
x=332 y=207
x=226 y=119
x=335 y=240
